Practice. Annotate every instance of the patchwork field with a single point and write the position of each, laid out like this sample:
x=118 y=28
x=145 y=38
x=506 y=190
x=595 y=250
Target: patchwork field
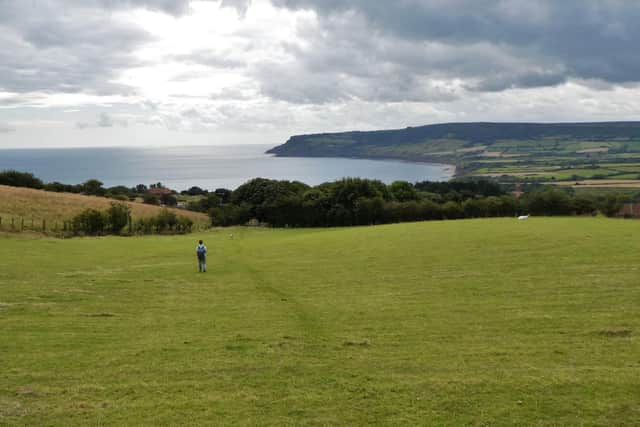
x=482 y=322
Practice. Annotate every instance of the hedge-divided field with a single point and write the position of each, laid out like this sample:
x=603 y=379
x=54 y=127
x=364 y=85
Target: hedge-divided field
x=479 y=322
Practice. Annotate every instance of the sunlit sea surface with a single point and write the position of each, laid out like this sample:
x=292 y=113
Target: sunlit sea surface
x=209 y=167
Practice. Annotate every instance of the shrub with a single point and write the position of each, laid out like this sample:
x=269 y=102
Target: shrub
x=166 y=220
x=93 y=187
x=118 y=216
x=226 y=215
x=20 y=179
x=169 y=200
x=90 y=222
x=150 y=199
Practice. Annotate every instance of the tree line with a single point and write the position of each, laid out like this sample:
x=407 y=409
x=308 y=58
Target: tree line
x=91 y=187
x=355 y=201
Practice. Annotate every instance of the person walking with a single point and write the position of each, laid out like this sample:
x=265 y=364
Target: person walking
x=201 y=251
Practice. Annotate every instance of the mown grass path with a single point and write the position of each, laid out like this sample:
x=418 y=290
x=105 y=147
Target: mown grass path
x=484 y=322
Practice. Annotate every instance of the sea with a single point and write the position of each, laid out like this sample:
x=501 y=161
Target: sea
x=208 y=167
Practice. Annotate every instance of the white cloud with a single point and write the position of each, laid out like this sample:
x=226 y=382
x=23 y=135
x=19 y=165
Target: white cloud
x=181 y=70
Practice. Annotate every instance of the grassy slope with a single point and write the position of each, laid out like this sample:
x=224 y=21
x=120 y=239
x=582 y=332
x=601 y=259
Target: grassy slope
x=28 y=203
x=480 y=322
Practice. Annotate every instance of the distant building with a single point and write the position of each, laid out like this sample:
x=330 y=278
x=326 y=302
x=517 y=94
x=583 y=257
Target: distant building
x=518 y=191
x=630 y=210
x=160 y=191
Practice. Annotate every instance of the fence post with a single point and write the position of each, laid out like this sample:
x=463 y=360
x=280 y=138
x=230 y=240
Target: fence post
x=12 y=223
x=21 y=224
x=44 y=225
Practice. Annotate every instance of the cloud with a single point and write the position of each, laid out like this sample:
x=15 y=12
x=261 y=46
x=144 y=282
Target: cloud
x=6 y=128
x=47 y=46
x=104 y=120
x=586 y=39
x=289 y=66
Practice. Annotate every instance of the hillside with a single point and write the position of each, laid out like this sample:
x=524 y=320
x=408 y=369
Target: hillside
x=482 y=322
x=530 y=150
x=58 y=207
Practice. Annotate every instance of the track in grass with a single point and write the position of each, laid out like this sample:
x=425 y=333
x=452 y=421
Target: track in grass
x=499 y=322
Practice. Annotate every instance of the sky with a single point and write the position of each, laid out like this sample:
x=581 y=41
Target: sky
x=180 y=72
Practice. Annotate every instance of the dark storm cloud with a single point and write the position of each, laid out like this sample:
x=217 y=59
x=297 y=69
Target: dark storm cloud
x=588 y=39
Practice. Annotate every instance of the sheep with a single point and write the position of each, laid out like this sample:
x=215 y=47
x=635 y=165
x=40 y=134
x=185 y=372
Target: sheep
x=523 y=217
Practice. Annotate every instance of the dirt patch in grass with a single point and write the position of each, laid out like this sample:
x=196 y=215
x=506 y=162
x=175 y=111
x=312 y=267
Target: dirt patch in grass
x=615 y=333
x=363 y=343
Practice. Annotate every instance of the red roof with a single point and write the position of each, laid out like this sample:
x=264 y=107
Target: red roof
x=160 y=191
x=630 y=209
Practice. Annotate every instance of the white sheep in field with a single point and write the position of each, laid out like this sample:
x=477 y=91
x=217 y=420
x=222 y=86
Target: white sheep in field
x=523 y=217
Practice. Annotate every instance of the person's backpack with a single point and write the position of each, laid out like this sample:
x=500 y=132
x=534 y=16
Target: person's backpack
x=202 y=250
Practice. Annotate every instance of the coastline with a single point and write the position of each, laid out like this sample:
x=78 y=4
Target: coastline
x=448 y=167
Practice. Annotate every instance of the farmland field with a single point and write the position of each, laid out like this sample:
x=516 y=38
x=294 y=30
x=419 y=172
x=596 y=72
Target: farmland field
x=480 y=322
x=59 y=207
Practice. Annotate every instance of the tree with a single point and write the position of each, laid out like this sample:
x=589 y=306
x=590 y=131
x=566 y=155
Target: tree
x=93 y=187
x=549 y=201
x=195 y=191
x=223 y=194
x=20 y=179
x=611 y=204
x=226 y=215
x=402 y=191
x=118 y=217
x=141 y=189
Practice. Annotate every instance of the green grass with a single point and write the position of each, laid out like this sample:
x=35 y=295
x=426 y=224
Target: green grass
x=483 y=322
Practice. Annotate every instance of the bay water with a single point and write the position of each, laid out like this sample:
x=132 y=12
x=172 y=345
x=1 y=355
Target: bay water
x=209 y=167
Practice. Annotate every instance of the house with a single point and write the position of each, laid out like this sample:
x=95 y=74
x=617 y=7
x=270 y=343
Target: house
x=518 y=191
x=160 y=191
x=630 y=210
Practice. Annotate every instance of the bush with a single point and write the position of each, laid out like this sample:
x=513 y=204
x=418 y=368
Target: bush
x=93 y=187
x=151 y=199
x=118 y=216
x=90 y=222
x=20 y=179
x=169 y=200
x=550 y=201
x=402 y=191
x=195 y=191
x=226 y=215
x=166 y=220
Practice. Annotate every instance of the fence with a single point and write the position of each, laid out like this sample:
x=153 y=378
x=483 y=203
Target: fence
x=18 y=224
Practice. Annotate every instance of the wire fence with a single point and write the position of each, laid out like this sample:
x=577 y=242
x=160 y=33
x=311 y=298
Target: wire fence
x=20 y=224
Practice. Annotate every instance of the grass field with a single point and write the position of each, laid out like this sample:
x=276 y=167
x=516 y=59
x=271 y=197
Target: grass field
x=482 y=322
x=52 y=207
